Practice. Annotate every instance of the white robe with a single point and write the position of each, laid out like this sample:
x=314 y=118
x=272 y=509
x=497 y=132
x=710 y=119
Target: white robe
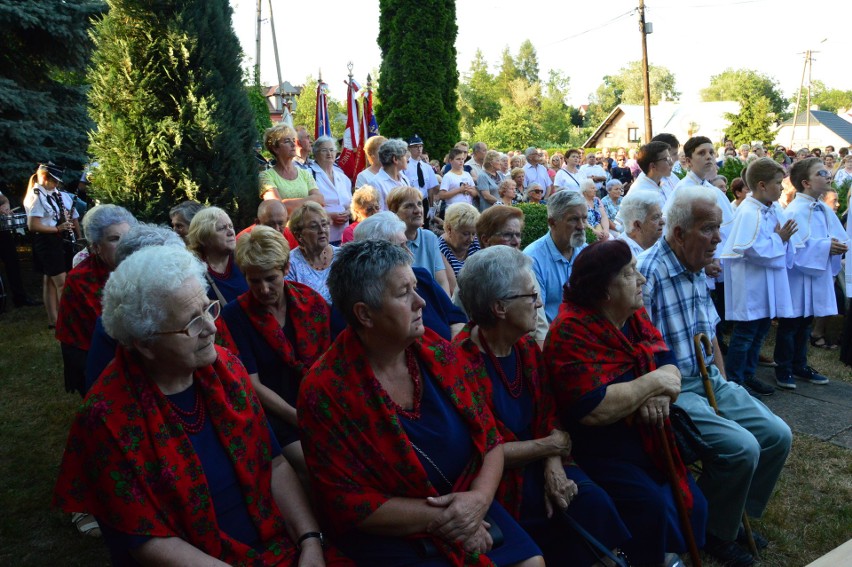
x=756 y=261
x=812 y=275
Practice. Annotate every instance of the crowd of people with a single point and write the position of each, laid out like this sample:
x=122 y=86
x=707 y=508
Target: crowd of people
x=375 y=373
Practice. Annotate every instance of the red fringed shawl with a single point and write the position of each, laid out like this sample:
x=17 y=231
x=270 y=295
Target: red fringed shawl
x=307 y=311
x=129 y=462
x=585 y=351
x=544 y=411
x=80 y=305
x=355 y=447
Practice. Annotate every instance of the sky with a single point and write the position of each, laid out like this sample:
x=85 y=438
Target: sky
x=694 y=39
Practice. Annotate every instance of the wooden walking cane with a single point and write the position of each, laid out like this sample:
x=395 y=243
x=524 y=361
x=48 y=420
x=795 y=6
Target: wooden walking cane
x=679 y=503
x=702 y=344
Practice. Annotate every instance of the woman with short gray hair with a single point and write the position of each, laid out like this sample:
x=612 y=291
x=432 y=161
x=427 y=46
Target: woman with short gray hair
x=498 y=290
x=430 y=500
x=393 y=156
x=335 y=186
x=185 y=405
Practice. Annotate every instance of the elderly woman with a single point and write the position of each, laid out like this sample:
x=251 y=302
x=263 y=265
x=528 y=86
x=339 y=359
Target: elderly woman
x=612 y=202
x=393 y=156
x=431 y=502
x=643 y=221
x=181 y=216
x=212 y=238
x=407 y=203
x=568 y=176
x=439 y=313
x=844 y=172
x=371 y=149
x=517 y=175
x=80 y=304
x=311 y=261
x=489 y=180
x=507 y=191
x=739 y=191
x=335 y=187
x=459 y=239
x=498 y=290
x=365 y=203
x=614 y=380
x=597 y=218
x=280 y=328
x=504 y=168
x=286 y=181
x=188 y=471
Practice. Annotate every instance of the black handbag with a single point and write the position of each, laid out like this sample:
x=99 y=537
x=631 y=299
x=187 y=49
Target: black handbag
x=691 y=446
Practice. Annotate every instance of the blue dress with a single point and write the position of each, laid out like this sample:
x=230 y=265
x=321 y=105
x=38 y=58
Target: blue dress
x=231 y=286
x=260 y=358
x=592 y=508
x=612 y=456
x=439 y=421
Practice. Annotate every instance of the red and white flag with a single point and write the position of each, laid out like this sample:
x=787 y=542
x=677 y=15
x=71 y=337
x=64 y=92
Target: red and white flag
x=353 y=142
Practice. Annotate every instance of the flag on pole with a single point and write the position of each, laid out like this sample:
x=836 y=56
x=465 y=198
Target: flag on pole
x=322 y=126
x=370 y=127
x=353 y=144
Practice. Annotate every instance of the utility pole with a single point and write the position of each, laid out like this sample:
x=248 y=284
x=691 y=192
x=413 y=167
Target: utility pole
x=257 y=46
x=806 y=69
x=277 y=62
x=645 y=29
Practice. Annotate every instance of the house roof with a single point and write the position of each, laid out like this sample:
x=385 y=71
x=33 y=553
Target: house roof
x=830 y=120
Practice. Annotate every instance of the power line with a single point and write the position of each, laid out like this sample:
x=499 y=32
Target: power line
x=737 y=3
x=590 y=30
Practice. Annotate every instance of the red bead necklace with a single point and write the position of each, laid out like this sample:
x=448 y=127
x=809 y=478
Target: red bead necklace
x=193 y=420
x=414 y=373
x=516 y=386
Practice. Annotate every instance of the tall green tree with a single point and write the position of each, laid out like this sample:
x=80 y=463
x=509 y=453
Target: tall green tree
x=419 y=77
x=173 y=118
x=527 y=62
x=626 y=87
x=555 y=115
x=754 y=122
x=478 y=96
x=508 y=70
x=831 y=100
x=43 y=115
x=743 y=84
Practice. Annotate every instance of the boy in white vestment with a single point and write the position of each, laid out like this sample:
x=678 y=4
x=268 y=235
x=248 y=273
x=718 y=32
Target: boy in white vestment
x=820 y=242
x=757 y=254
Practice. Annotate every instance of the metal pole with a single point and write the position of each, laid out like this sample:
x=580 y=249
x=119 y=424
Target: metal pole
x=798 y=99
x=257 y=46
x=646 y=82
x=277 y=62
x=810 y=68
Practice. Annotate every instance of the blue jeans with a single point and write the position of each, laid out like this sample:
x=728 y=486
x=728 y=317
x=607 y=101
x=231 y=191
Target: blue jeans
x=744 y=348
x=791 y=344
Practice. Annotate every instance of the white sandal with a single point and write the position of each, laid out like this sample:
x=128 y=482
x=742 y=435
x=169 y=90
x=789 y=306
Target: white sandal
x=86 y=524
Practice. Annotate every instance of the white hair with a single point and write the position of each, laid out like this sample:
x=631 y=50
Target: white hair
x=587 y=184
x=137 y=295
x=380 y=226
x=635 y=206
x=680 y=206
x=488 y=276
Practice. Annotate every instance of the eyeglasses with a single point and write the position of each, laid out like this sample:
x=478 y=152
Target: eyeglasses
x=824 y=173
x=533 y=296
x=665 y=159
x=194 y=327
x=321 y=227
x=509 y=235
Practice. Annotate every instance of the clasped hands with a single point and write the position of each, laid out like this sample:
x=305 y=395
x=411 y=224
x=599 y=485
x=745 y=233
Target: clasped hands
x=462 y=520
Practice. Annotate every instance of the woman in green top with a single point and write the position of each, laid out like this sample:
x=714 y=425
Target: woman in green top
x=287 y=182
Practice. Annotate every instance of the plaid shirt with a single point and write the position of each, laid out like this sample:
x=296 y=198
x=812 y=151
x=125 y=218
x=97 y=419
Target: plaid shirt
x=678 y=303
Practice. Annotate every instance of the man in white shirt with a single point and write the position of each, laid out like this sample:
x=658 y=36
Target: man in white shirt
x=303 y=148
x=534 y=172
x=419 y=172
x=594 y=171
x=477 y=160
x=642 y=217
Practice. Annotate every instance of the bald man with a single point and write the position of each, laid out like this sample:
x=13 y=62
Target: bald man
x=273 y=213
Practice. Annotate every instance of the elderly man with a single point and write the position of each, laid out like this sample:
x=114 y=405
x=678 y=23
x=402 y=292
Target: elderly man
x=303 y=148
x=554 y=253
x=534 y=172
x=594 y=171
x=420 y=173
x=752 y=443
x=477 y=160
x=655 y=161
x=272 y=213
x=642 y=218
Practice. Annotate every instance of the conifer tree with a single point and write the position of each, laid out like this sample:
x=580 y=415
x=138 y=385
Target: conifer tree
x=173 y=117
x=419 y=76
x=42 y=88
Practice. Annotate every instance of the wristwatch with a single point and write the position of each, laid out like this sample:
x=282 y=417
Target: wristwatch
x=310 y=535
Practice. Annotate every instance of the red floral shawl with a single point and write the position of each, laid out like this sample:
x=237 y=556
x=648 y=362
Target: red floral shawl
x=355 y=447
x=307 y=311
x=585 y=351
x=129 y=462
x=544 y=411
x=80 y=305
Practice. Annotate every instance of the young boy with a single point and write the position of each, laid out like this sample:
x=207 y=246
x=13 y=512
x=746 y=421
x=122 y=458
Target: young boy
x=819 y=244
x=457 y=185
x=757 y=254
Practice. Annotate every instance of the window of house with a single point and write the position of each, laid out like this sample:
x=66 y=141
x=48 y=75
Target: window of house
x=633 y=134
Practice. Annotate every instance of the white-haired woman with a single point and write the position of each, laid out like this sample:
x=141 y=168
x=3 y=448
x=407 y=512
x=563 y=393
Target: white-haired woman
x=597 y=217
x=365 y=203
x=80 y=305
x=459 y=241
x=213 y=239
x=335 y=187
x=311 y=261
x=506 y=192
x=489 y=180
x=642 y=216
x=286 y=181
x=171 y=450
x=612 y=203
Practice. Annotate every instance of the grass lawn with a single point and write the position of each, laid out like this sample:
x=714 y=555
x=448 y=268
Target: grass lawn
x=810 y=514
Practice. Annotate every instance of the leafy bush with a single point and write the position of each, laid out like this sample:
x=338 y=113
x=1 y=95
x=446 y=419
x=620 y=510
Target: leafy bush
x=731 y=169
x=842 y=195
x=535 y=222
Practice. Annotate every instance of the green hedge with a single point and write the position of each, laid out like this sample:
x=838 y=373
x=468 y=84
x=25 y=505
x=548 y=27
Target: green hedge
x=535 y=224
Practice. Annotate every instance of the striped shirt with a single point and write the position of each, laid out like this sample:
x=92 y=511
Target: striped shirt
x=455 y=263
x=678 y=303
